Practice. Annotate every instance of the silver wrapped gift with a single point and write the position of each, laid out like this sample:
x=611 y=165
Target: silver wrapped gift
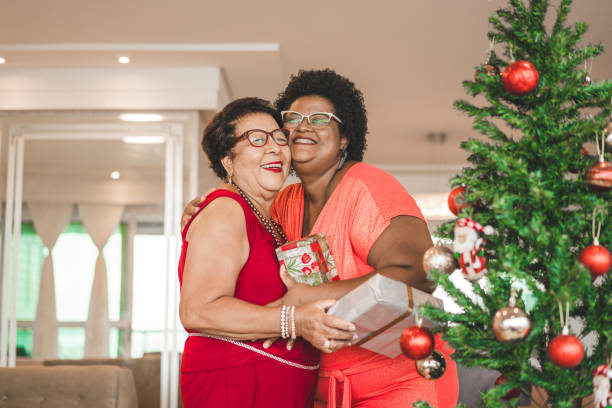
x=381 y=308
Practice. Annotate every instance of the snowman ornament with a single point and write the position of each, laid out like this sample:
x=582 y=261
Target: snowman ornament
x=601 y=386
x=468 y=248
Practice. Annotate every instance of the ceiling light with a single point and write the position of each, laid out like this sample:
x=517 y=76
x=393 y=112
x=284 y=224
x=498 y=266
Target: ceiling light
x=141 y=117
x=124 y=59
x=144 y=139
x=115 y=175
x=2 y=60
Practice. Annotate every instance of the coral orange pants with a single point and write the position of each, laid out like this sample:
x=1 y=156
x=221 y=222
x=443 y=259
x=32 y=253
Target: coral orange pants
x=391 y=383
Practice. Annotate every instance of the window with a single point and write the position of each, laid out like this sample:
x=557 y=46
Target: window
x=74 y=259
x=149 y=293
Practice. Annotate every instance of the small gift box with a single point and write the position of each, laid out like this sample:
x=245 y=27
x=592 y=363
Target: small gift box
x=381 y=308
x=308 y=260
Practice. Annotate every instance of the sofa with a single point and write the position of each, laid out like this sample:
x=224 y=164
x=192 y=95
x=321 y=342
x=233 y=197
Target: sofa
x=101 y=386
x=146 y=373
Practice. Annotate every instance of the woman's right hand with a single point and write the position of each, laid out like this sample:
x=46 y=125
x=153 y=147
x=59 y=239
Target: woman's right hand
x=325 y=332
x=192 y=207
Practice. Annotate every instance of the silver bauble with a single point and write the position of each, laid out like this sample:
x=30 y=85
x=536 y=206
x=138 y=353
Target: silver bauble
x=511 y=323
x=439 y=258
x=433 y=366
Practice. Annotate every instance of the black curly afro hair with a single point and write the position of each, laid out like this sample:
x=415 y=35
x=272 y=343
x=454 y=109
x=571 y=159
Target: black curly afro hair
x=219 y=138
x=341 y=92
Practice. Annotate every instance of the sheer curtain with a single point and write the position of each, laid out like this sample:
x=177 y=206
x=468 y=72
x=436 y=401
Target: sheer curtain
x=100 y=220
x=49 y=220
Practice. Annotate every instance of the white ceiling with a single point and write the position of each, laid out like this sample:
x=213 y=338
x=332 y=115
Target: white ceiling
x=408 y=57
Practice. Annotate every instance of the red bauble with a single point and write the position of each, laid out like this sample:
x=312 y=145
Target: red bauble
x=600 y=175
x=565 y=351
x=456 y=200
x=597 y=259
x=520 y=78
x=512 y=392
x=417 y=342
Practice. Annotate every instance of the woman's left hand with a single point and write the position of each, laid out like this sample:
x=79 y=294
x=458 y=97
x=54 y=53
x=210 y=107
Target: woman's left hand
x=285 y=277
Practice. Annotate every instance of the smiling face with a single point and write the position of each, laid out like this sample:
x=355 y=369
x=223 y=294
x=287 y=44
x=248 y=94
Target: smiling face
x=315 y=148
x=259 y=171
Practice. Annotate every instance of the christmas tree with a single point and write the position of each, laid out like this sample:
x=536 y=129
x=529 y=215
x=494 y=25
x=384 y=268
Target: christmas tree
x=547 y=199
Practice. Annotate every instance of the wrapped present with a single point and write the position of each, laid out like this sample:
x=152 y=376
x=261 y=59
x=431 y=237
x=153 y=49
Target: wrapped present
x=308 y=260
x=381 y=308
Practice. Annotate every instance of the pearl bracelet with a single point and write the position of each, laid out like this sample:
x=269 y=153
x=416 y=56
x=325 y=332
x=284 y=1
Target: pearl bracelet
x=293 y=333
x=284 y=323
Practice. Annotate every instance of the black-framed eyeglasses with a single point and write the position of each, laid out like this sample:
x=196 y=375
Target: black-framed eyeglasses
x=259 y=137
x=292 y=119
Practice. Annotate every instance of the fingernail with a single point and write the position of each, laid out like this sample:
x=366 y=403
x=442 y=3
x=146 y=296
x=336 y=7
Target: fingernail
x=352 y=327
x=355 y=336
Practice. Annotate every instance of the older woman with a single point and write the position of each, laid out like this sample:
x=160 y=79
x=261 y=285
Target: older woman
x=373 y=226
x=228 y=272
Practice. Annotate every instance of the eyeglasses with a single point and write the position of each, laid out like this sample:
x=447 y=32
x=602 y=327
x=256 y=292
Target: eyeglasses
x=292 y=119
x=259 y=137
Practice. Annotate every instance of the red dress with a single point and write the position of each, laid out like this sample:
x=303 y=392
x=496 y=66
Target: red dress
x=217 y=373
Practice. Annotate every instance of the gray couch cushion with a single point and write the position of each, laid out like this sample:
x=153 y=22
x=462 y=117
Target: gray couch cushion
x=146 y=372
x=58 y=387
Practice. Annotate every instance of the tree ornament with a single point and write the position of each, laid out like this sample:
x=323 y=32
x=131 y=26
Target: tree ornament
x=512 y=392
x=417 y=342
x=601 y=386
x=433 y=366
x=439 y=258
x=468 y=248
x=520 y=78
x=600 y=174
x=511 y=323
x=595 y=257
x=456 y=200
x=565 y=350
x=487 y=67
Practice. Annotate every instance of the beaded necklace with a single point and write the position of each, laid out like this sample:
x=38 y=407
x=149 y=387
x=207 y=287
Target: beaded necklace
x=269 y=224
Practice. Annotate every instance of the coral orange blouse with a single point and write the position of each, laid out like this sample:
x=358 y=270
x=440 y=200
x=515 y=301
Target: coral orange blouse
x=355 y=215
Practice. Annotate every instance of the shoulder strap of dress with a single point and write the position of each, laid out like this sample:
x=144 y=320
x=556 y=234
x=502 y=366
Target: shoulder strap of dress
x=248 y=213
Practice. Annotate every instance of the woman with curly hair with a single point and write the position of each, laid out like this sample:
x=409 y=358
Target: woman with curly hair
x=373 y=226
